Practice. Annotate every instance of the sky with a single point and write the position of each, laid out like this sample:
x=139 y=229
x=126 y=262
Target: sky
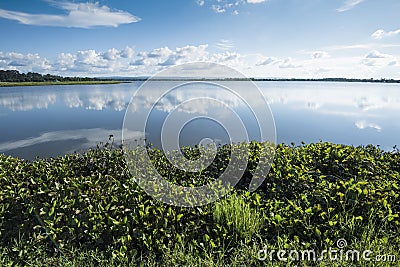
x=260 y=38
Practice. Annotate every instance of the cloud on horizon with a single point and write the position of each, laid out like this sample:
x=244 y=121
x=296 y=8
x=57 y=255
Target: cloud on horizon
x=380 y=34
x=127 y=62
x=376 y=54
x=288 y=64
x=79 y=15
x=224 y=44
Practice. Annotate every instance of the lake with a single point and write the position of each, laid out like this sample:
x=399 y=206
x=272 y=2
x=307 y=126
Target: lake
x=48 y=121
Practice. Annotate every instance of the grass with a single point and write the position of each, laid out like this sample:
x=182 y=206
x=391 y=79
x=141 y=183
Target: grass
x=86 y=209
x=238 y=215
x=13 y=84
x=188 y=255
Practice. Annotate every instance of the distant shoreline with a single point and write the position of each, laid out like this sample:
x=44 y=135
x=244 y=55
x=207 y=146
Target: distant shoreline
x=133 y=79
x=330 y=80
x=14 y=84
x=10 y=78
x=127 y=80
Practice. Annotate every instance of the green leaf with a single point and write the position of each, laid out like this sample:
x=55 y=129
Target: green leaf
x=308 y=211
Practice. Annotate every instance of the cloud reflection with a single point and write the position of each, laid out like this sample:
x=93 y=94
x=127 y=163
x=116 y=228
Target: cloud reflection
x=97 y=98
x=205 y=98
x=341 y=99
x=89 y=138
x=319 y=97
x=364 y=124
x=350 y=107
x=25 y=102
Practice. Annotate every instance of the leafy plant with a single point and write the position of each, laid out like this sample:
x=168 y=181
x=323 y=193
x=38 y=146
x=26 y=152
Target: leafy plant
x=313 y=195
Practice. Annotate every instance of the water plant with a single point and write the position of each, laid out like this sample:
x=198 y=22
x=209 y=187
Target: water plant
x=53 y=211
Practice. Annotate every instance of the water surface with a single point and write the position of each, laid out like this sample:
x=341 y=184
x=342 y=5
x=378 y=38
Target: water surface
x=47 y=121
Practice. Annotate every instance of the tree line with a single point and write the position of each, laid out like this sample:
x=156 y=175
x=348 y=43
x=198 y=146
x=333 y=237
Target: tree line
x=16 y=76
x=372 y=80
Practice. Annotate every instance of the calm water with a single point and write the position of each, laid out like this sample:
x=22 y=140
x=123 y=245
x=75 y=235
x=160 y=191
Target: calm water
x=53 y=120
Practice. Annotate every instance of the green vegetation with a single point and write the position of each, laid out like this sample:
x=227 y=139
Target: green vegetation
x=12 y=84
x=14 y=78
x=87 y=210
x=238 y=216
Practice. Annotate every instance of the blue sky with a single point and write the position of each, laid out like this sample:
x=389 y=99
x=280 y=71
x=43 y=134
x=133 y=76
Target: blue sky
x=270 y=38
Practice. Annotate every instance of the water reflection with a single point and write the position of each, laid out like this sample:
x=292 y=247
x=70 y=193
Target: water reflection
x=349 y=113
x=97 y=100
x=54 y=120
x=25 y=102
x=91 y=97
x=186 y=113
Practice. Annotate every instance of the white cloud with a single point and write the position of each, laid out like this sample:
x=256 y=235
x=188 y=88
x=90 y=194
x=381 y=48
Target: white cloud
x=222 y=6
x=376 y=54
x=267 y=61
x=128 y=52
x=379 y=34
x=321 y=70
x=319 y=54
x=124 y=62
x=139 y=62
x=364 y=124
x=349 y=4
x=25 y=62
x=112 y=54
x=160 y=52
x=368 y=62
x=65 y=61
x=192 y=51
x=172 y=60
x=90 y=57
x=225 y=44
x=92 y=62
x=348 y=47
x=288 y=64
x=226 y=57
x=166 y=57
x=255 y=1
x=79 y=15
x=376 y=58
x=218 y=9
